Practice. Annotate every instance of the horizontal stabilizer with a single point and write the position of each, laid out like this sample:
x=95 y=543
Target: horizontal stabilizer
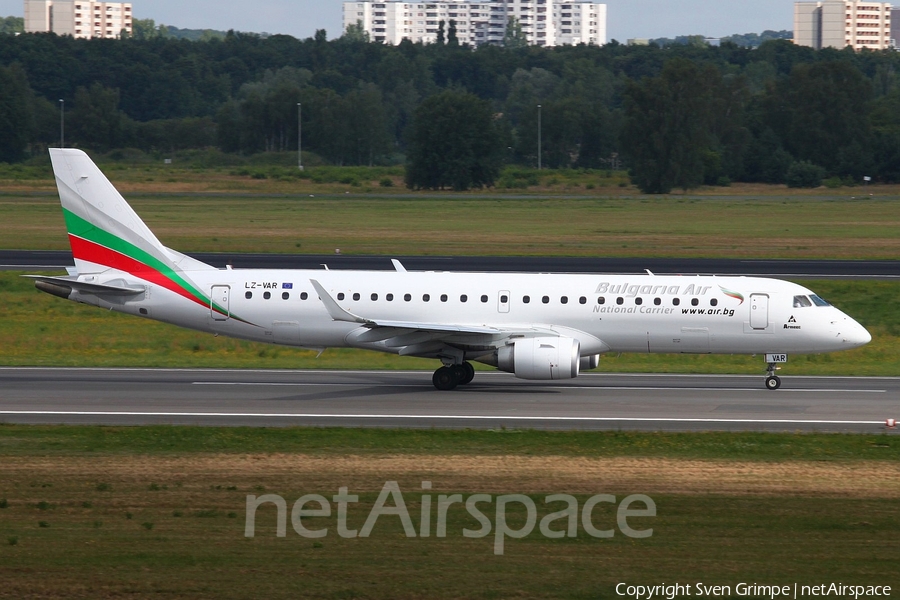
x=63 y=287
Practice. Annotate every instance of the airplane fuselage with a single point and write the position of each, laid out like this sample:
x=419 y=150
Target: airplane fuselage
x=605 y=313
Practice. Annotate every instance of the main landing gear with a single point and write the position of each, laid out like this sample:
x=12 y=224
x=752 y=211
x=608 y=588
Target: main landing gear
x=447 y=378
x=773 y=381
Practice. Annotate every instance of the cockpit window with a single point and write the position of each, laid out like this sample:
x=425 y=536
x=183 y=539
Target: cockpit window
x=801 y=302
x=818 y=301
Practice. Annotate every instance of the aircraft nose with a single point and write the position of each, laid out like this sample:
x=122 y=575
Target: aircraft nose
x=855 y=335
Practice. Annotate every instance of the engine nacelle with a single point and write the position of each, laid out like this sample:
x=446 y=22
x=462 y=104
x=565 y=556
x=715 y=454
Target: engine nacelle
x=541 y=358
x=591 y=361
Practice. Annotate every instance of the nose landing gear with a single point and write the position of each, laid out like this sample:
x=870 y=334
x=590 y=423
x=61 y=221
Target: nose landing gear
x=447 y=378
x=773 y=381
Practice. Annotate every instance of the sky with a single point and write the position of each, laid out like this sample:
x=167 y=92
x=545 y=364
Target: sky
x=625 y=19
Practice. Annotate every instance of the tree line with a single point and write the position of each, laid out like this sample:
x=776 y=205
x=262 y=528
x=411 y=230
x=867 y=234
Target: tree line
x=676 y=116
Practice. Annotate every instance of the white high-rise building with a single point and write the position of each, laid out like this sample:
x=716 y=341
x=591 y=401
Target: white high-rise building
x=543 y=22
x=841 y=23
x=78 y=18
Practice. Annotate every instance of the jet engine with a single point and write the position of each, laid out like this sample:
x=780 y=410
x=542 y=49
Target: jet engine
x=541 y=358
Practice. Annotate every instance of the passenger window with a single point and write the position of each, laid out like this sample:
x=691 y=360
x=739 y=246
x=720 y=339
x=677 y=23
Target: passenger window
x=676 y=301
x=546 y=299
x=582 y=300
x=443 y=297
x=713 y=302
x=248 y=295
x=374 y=297
x=620 y=300
x=601 y=300
x=407 y=297
x=389 y=297
x=526 y=299
x=564 y=300
x=285 y=295
x=463 y=298
x=267 y=295
x=341 y=296
x=504 y=299
x=638 y=301
x=304 y=295
x=356 y=296
x=801 y=302
x=694 y=302
x=657 y=301
x=426 y=297
x=484 y=298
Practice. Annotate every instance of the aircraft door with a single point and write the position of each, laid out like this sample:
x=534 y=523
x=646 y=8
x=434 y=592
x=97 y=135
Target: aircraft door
x=759 y=311
x=503 y=301
x=220 y=303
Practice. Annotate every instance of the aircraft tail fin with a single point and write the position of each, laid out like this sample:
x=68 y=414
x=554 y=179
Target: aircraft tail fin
x=104 y=231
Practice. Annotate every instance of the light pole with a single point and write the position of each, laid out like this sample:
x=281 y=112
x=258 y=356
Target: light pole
x=62 y=123
x=299 y=135
x=539 y=137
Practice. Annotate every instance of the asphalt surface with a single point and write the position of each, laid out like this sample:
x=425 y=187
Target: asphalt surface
x=863 y=269
x=407 y=399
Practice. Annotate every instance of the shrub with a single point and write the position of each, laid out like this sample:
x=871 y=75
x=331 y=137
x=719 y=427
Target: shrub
x=43 y=524
x=833 y=182
x=804 y=174
x=12 y=540
x=386 y=182
x=103 y=487
x=4 y=503
x=148 y=525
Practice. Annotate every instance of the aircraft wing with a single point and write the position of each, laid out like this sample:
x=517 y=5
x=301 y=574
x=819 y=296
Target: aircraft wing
x=422 y=338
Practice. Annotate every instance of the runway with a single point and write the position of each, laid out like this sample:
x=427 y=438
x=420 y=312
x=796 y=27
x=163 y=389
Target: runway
x=594 y=401
x=20 y=260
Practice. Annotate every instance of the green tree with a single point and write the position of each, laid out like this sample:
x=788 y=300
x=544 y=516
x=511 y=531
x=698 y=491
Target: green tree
x=454 y=142
x=819 y=109
x=514 y=37
x=16 y=116
x=96 y=122
x=667 y=126
x=144 y=29
x=12 y=25
x=355 y=32
x=440 y=33
x=452 y=39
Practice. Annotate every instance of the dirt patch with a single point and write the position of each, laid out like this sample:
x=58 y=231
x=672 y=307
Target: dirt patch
x=489 y=474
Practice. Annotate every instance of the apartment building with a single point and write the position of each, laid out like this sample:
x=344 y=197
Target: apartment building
x=543 y=22
x=895 y=27
x=841 y=23
x=78 y=18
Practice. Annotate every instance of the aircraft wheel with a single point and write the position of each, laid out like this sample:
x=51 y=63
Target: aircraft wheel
x=445 y=379
x=773 y=382
x=468 y=373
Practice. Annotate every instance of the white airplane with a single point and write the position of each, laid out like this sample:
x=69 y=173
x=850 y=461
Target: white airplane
x=537 y=326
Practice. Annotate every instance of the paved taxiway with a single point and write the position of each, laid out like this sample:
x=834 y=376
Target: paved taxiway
x=843 y=269
x=407 y=399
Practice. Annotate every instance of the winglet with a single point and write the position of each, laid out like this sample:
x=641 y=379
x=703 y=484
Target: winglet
x=398 y=266
x=337 y=313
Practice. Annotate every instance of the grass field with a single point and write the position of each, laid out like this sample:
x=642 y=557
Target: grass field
x=739 y=226
x=160 y=511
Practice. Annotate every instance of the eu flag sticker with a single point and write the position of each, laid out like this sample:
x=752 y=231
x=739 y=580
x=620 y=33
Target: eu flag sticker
x=287 y=286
